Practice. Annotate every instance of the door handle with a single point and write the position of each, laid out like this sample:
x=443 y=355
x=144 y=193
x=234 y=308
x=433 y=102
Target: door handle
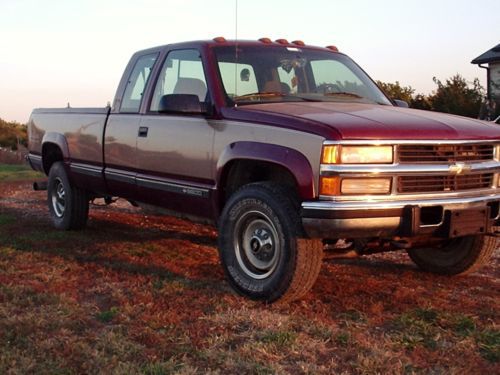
x=143 y=131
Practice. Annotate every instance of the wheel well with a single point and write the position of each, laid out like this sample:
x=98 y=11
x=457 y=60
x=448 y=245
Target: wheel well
x=50 y=154
x=243 y=172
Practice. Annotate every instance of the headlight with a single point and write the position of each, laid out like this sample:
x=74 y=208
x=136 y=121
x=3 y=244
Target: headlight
x=337 y=154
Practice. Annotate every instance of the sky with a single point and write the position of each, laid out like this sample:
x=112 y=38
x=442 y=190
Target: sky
x=57 y=51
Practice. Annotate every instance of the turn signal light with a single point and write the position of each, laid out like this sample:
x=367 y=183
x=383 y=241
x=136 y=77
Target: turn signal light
x=329 y=185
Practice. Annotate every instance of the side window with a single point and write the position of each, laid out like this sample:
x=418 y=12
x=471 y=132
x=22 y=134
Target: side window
x=182 y=73
x=244 y=75
x=136 y=84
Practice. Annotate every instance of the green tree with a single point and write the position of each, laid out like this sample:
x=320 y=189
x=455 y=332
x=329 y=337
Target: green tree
x=421 y=101
x=396 y=91
x=11 y=134
x=457 y=96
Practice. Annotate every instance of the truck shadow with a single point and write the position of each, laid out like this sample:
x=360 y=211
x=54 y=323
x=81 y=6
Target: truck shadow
x=113 y=245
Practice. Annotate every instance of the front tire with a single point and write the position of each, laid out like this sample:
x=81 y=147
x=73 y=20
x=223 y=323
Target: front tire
x=68 y=204
x=259 y=245
x=458 y=256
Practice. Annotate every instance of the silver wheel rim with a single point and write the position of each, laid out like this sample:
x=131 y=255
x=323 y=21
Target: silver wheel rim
x=257 y=245
x=59 y=198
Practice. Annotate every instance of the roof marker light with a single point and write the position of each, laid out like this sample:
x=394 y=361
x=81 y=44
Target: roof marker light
x=219 y=39
x=265 y=40
x=281 y=41
x=299 y=43
x=333 y=48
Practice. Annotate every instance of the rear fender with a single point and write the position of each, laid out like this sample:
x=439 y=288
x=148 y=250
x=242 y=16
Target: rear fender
x=50 y=142
x=59 y=140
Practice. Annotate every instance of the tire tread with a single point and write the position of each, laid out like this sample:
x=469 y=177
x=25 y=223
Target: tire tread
x=481 y=248
x=309 y=252
x=76 y=214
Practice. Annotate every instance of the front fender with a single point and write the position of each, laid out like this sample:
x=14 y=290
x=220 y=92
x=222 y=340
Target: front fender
x=292 y=160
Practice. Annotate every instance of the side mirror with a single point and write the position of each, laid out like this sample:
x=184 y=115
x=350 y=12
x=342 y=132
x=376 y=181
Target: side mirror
x=400 y=103
x=180 y=103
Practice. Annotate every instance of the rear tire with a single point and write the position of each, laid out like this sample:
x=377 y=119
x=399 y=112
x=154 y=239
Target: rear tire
x=68 y=204
x=458 y=256
x=259 y=245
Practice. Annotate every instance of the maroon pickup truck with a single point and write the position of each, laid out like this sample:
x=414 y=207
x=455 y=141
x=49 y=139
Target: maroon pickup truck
x=291 y=150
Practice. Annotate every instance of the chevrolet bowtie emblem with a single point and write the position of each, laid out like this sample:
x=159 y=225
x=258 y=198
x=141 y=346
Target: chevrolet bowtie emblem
x=459 y=168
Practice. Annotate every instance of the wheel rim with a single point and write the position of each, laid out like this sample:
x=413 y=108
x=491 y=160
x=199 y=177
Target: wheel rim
x=59 y=198
x=257 y=245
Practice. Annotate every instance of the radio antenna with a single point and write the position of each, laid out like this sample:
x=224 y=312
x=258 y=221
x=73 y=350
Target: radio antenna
x=236 y=52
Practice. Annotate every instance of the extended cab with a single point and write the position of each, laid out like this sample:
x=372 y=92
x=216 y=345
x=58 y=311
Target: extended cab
x=289 y=149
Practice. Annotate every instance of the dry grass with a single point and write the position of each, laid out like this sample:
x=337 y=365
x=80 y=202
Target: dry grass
x=146 y=294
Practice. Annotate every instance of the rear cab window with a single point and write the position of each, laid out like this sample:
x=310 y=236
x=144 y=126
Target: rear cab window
x=132 y=98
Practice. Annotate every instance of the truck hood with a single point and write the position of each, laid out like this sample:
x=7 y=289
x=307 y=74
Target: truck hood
x=370 y=121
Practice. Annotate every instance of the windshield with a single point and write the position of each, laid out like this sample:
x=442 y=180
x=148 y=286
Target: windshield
x=261 y=74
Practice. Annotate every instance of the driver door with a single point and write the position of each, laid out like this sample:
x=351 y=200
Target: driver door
x=174 y=151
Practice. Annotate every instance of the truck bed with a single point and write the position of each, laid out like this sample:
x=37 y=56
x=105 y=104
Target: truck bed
x=77 y=131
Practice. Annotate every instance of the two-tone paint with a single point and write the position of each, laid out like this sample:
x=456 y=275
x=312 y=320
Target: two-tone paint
x=182 y=162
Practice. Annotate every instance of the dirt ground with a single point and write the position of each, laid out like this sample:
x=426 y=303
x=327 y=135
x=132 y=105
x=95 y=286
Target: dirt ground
x=139 y=293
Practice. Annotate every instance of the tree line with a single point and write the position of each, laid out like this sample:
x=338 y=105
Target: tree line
x=455 y=95
x=12 y=134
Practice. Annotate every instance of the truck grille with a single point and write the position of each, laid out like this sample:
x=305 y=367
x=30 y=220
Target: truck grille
x=444 y=184
x=433 y=154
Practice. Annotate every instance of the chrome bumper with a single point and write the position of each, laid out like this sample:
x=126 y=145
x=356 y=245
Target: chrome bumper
x=361 y=219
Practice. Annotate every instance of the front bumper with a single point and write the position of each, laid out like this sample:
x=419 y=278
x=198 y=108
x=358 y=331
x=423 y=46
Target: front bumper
x=450 y=217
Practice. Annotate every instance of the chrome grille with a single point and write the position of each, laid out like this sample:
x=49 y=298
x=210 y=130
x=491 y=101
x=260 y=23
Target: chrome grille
x=444 y=184
x=434 y=154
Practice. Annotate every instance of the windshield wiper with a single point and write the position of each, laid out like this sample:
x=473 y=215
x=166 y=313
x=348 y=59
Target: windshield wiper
x=272 y=94
x=264 y=94
x=343 y=93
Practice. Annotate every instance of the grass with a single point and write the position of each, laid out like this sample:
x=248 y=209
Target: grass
x=280 y=339
x=146 y=295
x=342 y=339
x=488 y=341
x=108 y=315
x=10 y=173
x=432 y=330
x=417 y=328
x=6 y=219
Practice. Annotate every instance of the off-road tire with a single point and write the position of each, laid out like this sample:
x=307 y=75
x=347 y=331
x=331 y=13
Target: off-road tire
x=458 y=256
x=68 y=204
x=286 y=266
